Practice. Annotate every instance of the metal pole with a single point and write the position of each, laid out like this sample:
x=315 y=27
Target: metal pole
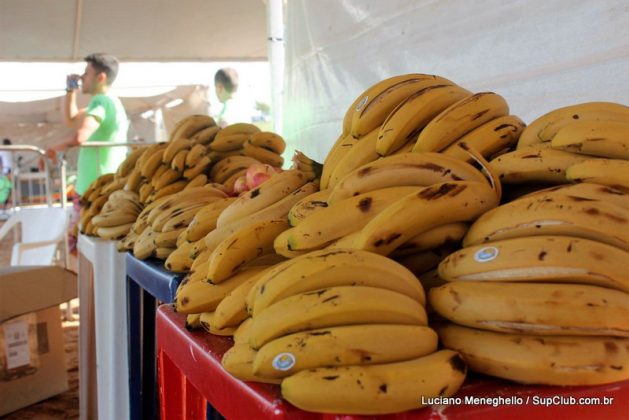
x=275 y=44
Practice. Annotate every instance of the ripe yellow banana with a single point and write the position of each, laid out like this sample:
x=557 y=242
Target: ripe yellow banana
x=191 y=125
x=447 y=235
x=134 y=180
x=197 y=169
x=207 y=322
x=204 y=221
x=341 y=147
x=333 y=268
x=362 y=153
x=240 y=128
x=270 y=141
x=114 y=232
x=194 y=155
x=152 y=163
x=544 y=128
x=548 y=360
x=242 y=247
x=535 y=164
x=193 y=322
x=413 y=114
x=269 y=192
x=419 y=169
x=263 y=155
x=238 y=361
x=178 y=163
x=242 y=333
x=232 y=310
x=145 y=244
x=490 y=138
x=540 y=259
x=611 y=172
x=206 y=135
x=224 y=168
x=228 y=142
x=534 y=308
x=448 y=202
x=459 y=119
x=553 y=215
x=376 y=389
x=114 y=219
x=308 y=205
x=174 y=147
x=282 y=246
x=277 y=210
x=334 y=306
x=608 y=139
x=343 y=218
x=163 y=253
x=168 y=177
x=200 y=296
x=169 y=189
x=587 y=191
x=179 y=261
x=125 y=168
x=168 y=239
x=198 y=181
x=377 y=102
x=343 y=346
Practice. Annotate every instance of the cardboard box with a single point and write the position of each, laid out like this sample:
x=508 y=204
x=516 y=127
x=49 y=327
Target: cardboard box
x=32 y=355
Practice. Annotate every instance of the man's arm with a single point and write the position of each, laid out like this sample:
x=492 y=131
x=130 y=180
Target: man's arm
x=88 y=126
x=72 y=115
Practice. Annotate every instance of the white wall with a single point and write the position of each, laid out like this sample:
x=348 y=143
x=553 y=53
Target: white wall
x=539 y=54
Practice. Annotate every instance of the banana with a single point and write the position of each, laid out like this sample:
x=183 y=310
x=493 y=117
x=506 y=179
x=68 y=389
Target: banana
x=168 y=239
x=414 y=113
x=206 y=135
x=145 y=244
x=179 y=219
x=490 y=138
x=145 y=192
x=362 y=153
x=381 y=99
x=115 y=185
x=198 y=181
x=539 y=308
x=540 y=259
x=415 y=213
x=238 y=361
x=118 y=218
x=197 y=169
x=154 y=161
x=535 y=164
x=548 y=360
x=240 y=128
x=610 y=172
x=242 y=333
x=333 y=268
x=242 y=247
x=608 y=139
x=200 y=296
x=275 y=211
x=191 y=125
x=341 y=146
x=263 y=155
x=181 y=238
x=178 y=163
x=134 y=180
x=231 y=181
x=126 y=244
x=169 y=189
x=204 y=221
x=419 y=169
x=343 y=346
x=344 y=217
x=114 y=232
x=167 y=178
x=174 y=147
x=270 y=141
x=544 y=128
x=447 y=235
x=282 y=247
x=553 y=215
x=271 y=191
x=459 y=119
x=587 y=191
x=163 y=253
x=217 y=156
x=307 y=206
x=193 y=322
x=334 y=306
x=376 y=389
x=346 y=241
x=194 y=155
x=202 y=258
x=125 y=168
x=207 y=322
x=232 y=310
x=224 y=168
x=228 y=142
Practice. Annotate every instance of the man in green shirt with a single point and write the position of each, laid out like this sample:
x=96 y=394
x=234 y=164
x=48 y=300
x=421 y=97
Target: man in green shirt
x=104 y=120
x=233 y=110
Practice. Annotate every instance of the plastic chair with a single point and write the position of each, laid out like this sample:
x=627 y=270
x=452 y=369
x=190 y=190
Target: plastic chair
x=42 y=229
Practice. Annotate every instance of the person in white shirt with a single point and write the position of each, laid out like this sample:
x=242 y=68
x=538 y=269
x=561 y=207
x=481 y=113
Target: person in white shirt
x=233 y=110
x=6 y=158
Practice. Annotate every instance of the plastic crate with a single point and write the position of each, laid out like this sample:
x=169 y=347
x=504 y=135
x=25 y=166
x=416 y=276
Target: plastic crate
x=148 y=283
x=104 y=387
x=190 y=373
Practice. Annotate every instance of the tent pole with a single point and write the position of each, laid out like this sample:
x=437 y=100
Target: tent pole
x=275 y=42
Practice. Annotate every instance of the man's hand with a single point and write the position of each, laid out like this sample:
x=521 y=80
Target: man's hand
x=72 y=82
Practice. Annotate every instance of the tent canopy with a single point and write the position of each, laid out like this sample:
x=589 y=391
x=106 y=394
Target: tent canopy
x=133 y=30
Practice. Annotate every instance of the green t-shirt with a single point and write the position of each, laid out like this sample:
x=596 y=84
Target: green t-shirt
x=93 y=162
x=5 y=188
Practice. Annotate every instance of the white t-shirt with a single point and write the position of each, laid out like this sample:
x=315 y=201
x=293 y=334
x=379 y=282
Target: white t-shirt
x=234 y=111
x=6 y=158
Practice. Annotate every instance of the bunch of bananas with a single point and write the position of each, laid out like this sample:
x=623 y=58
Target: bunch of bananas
x=343 y=314
x=539 y=294
x=584 y=142
x=115 y=219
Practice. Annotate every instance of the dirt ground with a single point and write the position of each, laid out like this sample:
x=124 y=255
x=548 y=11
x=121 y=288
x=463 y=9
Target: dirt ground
x=62 y=406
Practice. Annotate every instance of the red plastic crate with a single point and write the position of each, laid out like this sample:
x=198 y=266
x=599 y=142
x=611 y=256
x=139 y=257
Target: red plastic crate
x=190 y=374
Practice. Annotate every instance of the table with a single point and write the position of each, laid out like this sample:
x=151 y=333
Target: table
x=193 y=359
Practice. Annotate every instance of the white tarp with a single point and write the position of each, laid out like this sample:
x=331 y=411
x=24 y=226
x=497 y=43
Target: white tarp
x=539 y=54
x=133 y=30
